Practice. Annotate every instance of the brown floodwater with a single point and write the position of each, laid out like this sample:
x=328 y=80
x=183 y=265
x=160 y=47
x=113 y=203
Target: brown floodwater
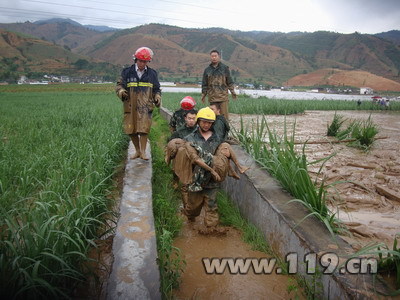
x=197 y=284
x=361 y=179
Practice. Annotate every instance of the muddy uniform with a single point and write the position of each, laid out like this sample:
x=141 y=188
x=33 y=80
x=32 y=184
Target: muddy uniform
x=221 y=127
x=207 y=196
x=178 y=119
x=182 y=132
x=139 y=106
x=216 y=83
x=175 y=141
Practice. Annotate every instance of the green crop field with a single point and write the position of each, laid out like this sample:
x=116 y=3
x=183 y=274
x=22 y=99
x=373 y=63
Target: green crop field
x=247 y=105
x=58 y=152
x=59 y=148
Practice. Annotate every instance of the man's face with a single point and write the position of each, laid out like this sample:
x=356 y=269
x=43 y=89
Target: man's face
x=141 y=64
x=205 y=125
x=214 y=57
x=190 y=120
x=215 y=109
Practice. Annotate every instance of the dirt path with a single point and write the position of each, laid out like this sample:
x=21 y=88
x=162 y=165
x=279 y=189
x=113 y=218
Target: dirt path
x=197 y=284
x=366 y=200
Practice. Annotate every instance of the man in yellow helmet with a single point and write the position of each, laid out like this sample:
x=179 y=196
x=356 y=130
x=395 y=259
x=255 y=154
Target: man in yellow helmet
x=196 y=197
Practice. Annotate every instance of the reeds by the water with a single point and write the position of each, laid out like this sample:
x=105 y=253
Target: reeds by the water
x=278 y=155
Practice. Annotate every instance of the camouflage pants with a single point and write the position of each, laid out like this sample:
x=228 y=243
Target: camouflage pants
x=207 y=199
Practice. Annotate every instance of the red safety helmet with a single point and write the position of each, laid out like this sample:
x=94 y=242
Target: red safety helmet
x=143 y=53
x=188 y=103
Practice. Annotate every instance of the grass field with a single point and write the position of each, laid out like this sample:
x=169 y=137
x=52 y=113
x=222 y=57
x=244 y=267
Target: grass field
x=58 y=152
x=247 y=105
x=59 y=148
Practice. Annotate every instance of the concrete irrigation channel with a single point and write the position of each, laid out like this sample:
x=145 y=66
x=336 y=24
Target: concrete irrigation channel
x=305 y=244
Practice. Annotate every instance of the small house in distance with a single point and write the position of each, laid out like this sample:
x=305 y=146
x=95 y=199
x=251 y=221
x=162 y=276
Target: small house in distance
x=366 y=91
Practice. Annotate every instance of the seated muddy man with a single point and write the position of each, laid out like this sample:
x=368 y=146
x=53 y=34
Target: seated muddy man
x=178 y=118
x=188 y=127
x=221 y=125
x=176 y=139
x=199 y=188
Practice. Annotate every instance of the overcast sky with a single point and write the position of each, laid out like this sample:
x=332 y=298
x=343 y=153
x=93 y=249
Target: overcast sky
x=344 y=16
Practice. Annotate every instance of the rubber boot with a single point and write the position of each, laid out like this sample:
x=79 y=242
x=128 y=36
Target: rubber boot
x=143 y=143
x=135 y=142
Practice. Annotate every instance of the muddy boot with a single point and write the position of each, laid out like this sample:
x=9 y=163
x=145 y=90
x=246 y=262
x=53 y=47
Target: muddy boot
x=135 y=142
x=213 y=231
x=143 y=143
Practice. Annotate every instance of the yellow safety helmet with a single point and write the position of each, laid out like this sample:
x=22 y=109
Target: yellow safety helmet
x=206 y=114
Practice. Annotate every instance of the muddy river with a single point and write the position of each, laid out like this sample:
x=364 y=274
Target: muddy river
x=367 y=199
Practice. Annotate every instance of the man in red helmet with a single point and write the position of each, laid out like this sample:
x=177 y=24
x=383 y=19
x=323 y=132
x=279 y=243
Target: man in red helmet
x=216 y=82
x=178 y=118
x=139 y=89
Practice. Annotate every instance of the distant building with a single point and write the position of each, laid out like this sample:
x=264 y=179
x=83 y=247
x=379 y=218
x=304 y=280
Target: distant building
x=23 y=79
x=65 y=79
x=165 y=83
x=366 y=91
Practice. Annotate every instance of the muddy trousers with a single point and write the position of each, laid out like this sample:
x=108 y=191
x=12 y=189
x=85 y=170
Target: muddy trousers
x=206 y=198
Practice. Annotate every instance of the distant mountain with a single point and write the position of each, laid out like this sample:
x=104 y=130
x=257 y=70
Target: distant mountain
x=72 y=22
x=393 y=35
x=255 y=56
x=63 y=32
x=100 y=28
x=57 y=21
x=25 y=55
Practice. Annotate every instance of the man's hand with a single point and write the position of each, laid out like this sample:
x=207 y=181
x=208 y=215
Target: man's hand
x=157 y=100
x=203 y=98
x=215 y=175
x=123 y=94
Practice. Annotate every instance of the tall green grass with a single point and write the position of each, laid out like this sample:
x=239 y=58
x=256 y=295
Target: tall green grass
x=166 y=202
x=388 y=258
x=265 y=106
x=58 y=152
x=335 y=125
x=277 y=154
x=361 y=133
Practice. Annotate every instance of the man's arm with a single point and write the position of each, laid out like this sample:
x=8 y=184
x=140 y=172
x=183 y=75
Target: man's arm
x=120 y=88
x=156 y=90
x=203 y=165
x=230 y=83
x=204 y=86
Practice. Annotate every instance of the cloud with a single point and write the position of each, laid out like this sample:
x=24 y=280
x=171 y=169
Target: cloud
x=366 y=16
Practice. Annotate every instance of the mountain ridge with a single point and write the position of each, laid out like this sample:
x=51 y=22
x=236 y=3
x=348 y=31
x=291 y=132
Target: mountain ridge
x=268 y=58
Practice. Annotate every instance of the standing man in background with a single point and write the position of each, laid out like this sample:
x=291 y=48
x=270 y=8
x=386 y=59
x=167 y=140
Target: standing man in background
x=139 y=90
x=216 y=82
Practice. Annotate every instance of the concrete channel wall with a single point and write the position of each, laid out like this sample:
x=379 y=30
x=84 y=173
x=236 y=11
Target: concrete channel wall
x=135 y=273
x=263 y=202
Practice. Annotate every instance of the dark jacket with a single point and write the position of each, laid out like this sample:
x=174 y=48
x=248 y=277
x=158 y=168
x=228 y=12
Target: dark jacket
x=216 y=83
x=178 y=119
x=182 y=132
x=209 y=145
x=221 y=127
x=139 y=106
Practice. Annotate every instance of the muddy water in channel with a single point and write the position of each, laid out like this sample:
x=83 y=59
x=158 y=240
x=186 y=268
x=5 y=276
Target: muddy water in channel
x=368 y=198
x=197 y=284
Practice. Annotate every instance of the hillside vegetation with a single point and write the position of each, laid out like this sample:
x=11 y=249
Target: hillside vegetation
x=32 y=57
x=267 y=58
